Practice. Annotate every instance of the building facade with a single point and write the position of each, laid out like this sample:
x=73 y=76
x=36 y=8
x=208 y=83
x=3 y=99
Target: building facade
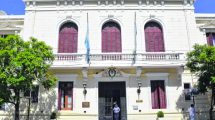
x=142 y=83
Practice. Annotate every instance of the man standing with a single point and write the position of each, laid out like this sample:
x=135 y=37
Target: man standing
x=116 y=110
x=192 y=112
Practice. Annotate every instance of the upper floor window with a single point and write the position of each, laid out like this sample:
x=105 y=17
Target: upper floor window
x=154 y=37
x=68 y=38
x=111 y=37
x=3 y=36
x=210 y=39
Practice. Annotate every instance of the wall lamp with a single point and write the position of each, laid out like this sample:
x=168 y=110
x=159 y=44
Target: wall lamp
x=139 y=85
x=84 y=85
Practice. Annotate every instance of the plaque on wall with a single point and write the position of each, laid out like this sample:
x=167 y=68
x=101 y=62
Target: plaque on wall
x=135 y=107
x=139 y=100
x=85 y=104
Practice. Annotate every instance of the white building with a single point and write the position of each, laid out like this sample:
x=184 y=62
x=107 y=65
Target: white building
x=166 y=30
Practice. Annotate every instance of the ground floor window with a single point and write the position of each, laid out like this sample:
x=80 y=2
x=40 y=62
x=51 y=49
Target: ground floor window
x=186 y=91
x=2 y=106
x=65 y=96
x=158 y=95
x=34 y=94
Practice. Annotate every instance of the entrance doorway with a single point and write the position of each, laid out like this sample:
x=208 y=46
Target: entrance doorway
x=111 y=93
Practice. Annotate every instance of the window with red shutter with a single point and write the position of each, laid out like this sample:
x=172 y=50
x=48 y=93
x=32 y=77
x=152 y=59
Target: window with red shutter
x=158 y=95
x=210 y=39
x=111 y=37
x=68 y=38
x=154 y=37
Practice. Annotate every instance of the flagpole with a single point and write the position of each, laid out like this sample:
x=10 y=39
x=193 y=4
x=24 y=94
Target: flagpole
x=135 y=42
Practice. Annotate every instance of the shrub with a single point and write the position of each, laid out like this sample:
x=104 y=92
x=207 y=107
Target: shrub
x=160 y=114
x=53 y=115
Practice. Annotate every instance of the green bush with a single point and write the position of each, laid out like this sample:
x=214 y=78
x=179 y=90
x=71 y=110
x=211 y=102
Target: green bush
x=160 y=114
x=53 y=115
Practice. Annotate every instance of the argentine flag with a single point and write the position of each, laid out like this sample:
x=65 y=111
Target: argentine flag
x=135 y=41
x=213 y=40
x=87 y=45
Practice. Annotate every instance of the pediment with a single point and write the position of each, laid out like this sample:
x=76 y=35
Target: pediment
x=8 y=25
x=210 y=24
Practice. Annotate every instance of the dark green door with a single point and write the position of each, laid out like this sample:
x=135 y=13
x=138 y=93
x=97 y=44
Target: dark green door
x=111 y=93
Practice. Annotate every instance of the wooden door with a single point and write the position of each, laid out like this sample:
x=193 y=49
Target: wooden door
x=110 y=93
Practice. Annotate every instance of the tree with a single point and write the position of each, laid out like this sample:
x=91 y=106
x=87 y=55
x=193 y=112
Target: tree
x=201 y=61
x=21 y=64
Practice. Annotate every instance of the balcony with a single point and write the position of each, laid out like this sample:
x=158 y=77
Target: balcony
x=119 y=59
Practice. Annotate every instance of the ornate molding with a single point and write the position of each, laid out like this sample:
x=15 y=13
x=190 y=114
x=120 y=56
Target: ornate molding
x=58 y=3
x=138 y=72
x=155 y=3
x=125 y=74
x=106 y=2
x=180 y=70
x=147 y=2
x=99 y=2
x=34 y=3
x=114 y=2
x=98 y=74
x=105 y=73
x=122 y=2
x=73 y=2
x=9 y=24
x=81 y=3
x=162 y=3
x=210 y=24
x=85 y=72
x=140 y=2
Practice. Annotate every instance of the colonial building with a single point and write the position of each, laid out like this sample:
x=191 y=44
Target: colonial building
x=136 y=58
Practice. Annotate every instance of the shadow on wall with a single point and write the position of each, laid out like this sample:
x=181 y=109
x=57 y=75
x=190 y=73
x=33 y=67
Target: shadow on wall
x=201 y=105
x=38 y=111
x=183 y=106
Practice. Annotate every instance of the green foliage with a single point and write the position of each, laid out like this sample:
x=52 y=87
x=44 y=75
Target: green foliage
x=21 y=64
x=160 y=114
x=53 y=115
x=202 y=62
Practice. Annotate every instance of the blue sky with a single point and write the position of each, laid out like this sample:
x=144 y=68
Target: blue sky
x=17 y=7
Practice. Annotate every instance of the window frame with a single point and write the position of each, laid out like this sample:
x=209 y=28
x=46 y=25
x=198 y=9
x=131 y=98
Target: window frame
x=184 y=91
x=62 y=27
x=66 y=96
x=157 y=81
x=160 y=27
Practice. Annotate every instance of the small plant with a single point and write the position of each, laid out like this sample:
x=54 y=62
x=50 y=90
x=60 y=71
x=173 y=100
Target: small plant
x=160 y=114
x=53 y=115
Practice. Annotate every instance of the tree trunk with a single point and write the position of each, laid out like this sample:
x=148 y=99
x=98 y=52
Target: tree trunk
x=17 y=111
x=17 y=105
x=212 y=102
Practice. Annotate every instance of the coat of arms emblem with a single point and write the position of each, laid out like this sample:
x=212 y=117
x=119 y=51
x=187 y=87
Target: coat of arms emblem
x=112 y=72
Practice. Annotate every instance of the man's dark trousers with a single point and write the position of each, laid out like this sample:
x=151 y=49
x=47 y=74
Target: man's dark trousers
x=117 y=116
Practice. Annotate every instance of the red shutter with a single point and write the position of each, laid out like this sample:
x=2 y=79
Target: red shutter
x=72 y=98
x=59 y=97
x=154 y=95
x=162 y=95
x=111 y=38
x=209 y=39
x=153 y=37
x=68 y=38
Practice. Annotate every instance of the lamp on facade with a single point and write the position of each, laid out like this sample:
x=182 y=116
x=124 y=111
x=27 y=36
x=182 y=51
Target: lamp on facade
x=84 y=85
x=139 y=85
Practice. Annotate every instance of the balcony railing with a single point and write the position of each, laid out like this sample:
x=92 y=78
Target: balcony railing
x=68 y=58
